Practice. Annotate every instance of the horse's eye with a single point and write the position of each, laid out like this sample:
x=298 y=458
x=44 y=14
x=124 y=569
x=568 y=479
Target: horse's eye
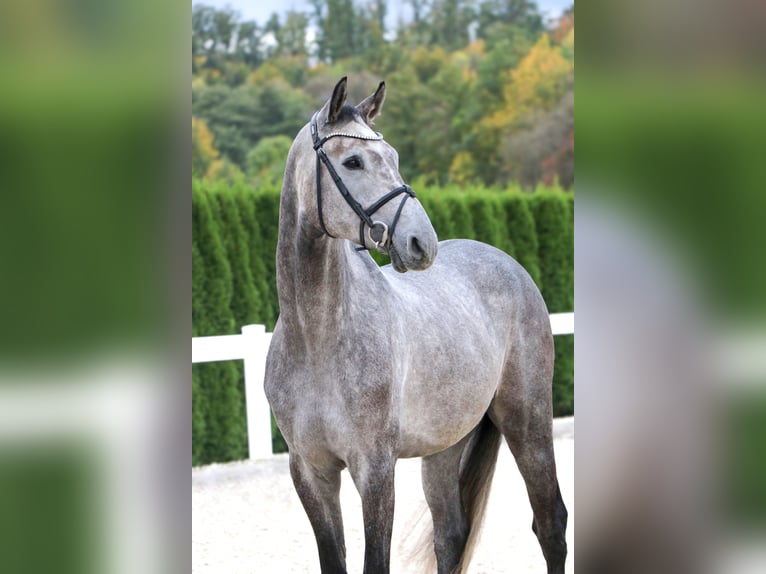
x=354 y=162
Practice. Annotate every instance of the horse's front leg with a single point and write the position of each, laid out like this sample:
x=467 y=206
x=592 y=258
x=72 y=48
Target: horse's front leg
x=319 y=493
x=374 y=479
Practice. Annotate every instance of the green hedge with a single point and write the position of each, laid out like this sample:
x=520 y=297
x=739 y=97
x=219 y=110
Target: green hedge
x=234 y=236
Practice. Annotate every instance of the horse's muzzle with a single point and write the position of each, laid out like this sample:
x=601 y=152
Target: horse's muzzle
x=417 y=254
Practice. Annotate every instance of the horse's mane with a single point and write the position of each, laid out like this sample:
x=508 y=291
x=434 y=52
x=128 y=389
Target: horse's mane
x=347 y=114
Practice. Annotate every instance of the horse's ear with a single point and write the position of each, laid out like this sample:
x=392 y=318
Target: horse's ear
x=332 y=107
x=370 y=107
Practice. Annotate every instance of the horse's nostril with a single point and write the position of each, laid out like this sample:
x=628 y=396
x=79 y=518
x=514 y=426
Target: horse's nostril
x=416 y=251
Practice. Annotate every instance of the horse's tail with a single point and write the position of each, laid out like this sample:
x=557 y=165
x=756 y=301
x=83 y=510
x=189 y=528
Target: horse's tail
x=476 y=472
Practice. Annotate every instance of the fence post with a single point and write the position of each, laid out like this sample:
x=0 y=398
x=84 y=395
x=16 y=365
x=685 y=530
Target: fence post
x=255 y=346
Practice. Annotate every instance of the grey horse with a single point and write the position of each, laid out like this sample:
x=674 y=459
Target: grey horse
x=369 y=364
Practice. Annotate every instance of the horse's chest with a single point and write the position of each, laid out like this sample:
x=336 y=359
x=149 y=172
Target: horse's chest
x=323 y=402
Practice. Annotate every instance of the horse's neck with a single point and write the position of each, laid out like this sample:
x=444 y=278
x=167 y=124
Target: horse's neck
x=311 y=281
x=313 y=273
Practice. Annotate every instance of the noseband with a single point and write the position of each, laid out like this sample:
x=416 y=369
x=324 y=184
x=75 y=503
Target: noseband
x=383 y=235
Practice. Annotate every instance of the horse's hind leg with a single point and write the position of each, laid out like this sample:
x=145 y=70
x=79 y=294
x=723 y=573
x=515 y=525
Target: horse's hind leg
x=320 y=495
x=441 y=485
x=532 y=446
x=523 y=413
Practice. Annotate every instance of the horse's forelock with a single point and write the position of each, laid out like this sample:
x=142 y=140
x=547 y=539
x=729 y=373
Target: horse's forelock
x=348 y=113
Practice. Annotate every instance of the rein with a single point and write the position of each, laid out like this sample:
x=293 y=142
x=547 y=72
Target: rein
x=382 y=232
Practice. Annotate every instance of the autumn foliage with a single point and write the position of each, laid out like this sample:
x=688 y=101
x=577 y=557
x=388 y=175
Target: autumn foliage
x=479 y=92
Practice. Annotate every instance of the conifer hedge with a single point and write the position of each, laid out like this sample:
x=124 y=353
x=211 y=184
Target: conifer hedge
x=234 y=236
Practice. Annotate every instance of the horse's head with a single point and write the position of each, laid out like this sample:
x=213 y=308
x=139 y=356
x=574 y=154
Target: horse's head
x=357 y=192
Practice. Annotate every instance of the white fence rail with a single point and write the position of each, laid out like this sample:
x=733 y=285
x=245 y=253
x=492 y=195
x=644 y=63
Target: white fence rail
x=251 y=346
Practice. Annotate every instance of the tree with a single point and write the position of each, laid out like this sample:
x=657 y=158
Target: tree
x=225 y=436
x=267 y=215
x=380 y=10
x=502 y=55
x=267 y=307
x=418 y=30
x=564 y=25
x=235 y=72
x=203 y=35
x=559 y=163
x=520 y=223
x=450 y=21
x=407 y=119
x=519 y=134
x=487 y=218
x=345 y=29
x=537 y=83
x=231 y=140
x=553 y=222
x=427 y=120
x=319 y=15
x=339 y=29
x=225 y=22
x=199 y=403
x=489 y=111
x=280 y=110
x=244 y=296
x=464 y=168
x=266 y=161
x=543 y=151
x=204 y=153
x=248 y=46
x=499 y=14
x=226 y=171
x=241 y=116
x=291 y=37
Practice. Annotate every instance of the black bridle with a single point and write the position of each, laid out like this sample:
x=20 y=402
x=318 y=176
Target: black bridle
x=365 y=215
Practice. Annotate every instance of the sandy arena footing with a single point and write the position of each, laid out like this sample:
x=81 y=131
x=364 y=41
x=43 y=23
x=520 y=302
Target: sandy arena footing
x=247 y=518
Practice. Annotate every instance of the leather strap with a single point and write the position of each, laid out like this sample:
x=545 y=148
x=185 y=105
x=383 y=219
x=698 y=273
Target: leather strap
x=363 y=214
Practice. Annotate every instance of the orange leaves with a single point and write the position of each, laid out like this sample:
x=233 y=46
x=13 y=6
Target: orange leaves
x=536 y=83
x=564 y=28
x=531 y=125
x=204 y=153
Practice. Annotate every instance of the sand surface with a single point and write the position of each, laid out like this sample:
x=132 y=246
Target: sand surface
x=247 y=518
